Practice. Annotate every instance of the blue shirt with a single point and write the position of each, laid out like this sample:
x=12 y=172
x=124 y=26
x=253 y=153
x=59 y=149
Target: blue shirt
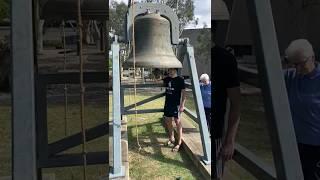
x=206 y=95
x=304 y=97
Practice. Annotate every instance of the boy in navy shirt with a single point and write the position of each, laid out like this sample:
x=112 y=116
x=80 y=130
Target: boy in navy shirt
x=174 y=105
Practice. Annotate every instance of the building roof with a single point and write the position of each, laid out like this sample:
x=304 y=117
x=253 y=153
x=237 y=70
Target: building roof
x=292 y=20
x=67 y=9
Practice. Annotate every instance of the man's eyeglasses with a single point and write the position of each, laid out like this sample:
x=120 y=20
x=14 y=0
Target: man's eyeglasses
x=300 y=64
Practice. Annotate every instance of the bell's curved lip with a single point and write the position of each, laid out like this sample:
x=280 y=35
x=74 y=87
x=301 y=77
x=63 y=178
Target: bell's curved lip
x=154 y=65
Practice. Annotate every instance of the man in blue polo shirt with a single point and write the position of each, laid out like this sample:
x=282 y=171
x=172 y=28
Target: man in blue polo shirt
x=303 y=87
x=205 y=88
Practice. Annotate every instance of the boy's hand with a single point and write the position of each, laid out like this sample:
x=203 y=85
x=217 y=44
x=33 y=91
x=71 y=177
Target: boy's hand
x=181 y=108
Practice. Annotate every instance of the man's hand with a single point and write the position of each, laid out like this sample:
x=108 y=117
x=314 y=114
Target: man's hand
x=233 y=122
x=227 y=151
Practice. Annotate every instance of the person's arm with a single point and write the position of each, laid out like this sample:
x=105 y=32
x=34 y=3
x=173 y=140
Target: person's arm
x=233 y=93
x=183 y=95
x=183 y=100
x=233 y=122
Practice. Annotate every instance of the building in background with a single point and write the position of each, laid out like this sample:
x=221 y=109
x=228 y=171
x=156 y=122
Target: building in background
x=293 y=20
x=203 y=62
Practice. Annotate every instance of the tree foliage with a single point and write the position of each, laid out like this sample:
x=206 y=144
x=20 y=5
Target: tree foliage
x=203 y=47
x=117 y=13
x=4 y=9
x=184 y=10
x=117 y=16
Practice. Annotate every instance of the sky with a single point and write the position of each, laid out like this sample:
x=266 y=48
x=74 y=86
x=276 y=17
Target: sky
x=202 y=11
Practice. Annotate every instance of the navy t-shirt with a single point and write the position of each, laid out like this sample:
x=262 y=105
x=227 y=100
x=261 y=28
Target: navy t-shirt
x=206 y=95
x=173 y=90
x=225 y=75
x=304 y=98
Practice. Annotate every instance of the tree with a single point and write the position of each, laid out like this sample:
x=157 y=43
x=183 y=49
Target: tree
x=184 y=10
x=117 y=16
x=117 y=13
x=4 y=9
x=203 y=47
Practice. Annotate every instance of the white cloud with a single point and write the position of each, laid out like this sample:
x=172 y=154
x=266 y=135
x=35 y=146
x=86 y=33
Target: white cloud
x=119 y=1
x=203 y=12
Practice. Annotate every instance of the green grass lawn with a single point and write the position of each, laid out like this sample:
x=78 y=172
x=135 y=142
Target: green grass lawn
x=5 y=144
x=252 y=134
x=94 y=115
x=154 y=161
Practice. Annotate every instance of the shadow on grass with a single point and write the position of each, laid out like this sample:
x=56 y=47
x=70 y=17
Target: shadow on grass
x=151 y=135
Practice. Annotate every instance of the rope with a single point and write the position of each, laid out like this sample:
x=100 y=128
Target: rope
x=82 y=90
x=134 y=75
x=65 y=87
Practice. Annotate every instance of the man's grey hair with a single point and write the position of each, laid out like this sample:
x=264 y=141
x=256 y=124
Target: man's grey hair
x=204 y=77
x=298 y=46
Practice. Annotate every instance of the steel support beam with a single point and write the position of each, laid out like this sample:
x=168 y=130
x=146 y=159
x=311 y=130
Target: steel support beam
x=253 y=164
x=103 y=36
x=142 y=85
x=122 y=101
x=23 y=92
x=191 y=114
x=205 y=139
x=284 y=145
x=144 y=101
x=248 y=75
x=117 y=168
x=73 y=78
x=76 y=139
x=144 y=111
x=41 y=120
x=66 y=160
x=40 y=36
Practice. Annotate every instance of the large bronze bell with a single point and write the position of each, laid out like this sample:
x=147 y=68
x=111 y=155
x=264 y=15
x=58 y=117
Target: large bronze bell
x=153 y=43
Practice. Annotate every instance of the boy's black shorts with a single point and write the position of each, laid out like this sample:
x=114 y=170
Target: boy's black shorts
x=171 y=111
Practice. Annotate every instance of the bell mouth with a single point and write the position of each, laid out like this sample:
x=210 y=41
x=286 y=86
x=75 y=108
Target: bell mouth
x=161 y=62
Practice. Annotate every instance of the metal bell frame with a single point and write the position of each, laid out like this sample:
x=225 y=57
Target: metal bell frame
x=182 y=45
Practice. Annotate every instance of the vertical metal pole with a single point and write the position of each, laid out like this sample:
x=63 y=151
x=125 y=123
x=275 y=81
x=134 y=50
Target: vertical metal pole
x=41 y=122
x=122 y=99
x=40 y=35
x=117 y=169
x=23 y=102
x=103 y=33
x=205 y=139
x=284 y=145
x=36 y=49
x=142 y=75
